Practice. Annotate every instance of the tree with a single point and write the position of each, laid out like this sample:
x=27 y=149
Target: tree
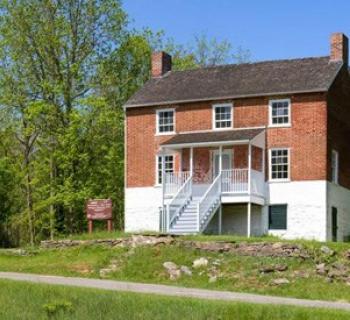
x=66 y=69
x=205 y=52
x=50 y=53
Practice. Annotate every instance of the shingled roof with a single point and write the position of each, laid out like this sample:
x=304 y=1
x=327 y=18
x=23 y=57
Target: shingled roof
x=213 y=137
x=238 y=80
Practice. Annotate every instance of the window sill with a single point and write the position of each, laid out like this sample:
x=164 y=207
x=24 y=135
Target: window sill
x=277 y=230
x=165 y=134
x=222 y=129
x=285 y=125
x=279 y=181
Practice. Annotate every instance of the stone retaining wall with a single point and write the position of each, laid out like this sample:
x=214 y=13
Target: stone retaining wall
x=276 y=249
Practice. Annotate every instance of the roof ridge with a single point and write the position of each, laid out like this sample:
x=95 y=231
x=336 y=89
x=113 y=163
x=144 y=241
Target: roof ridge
x=248 y=63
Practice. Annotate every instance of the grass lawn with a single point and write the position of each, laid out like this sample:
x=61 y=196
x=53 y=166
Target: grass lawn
x=21 y=300
x=145 y=264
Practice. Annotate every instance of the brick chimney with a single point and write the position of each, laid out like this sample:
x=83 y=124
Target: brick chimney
x=339 y=47
x=161 y=63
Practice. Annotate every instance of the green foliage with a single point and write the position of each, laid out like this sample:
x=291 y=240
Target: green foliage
x=66 y=69
x=205 y=52
x=57 y=309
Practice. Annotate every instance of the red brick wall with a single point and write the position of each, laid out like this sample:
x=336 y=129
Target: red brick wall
x=250 y=112
x=339 y=127
x=306 y=137
x=142 y=147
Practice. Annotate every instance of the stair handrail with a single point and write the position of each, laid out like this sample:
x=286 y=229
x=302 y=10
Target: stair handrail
x=173 y=181
x=208 y=199
x=179 y=200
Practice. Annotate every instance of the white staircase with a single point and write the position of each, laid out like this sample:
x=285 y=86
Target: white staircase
x=196 y=209
x=187 y=222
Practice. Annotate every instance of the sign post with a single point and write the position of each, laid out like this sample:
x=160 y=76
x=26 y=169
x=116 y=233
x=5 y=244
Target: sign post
x=99 y=209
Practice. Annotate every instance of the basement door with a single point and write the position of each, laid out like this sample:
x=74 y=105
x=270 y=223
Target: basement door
x=334 y=224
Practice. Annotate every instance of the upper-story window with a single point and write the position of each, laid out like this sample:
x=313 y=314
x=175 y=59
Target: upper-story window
x=279 y=164
x=222 y=116
x=335 y=166
x=279 y=113
x=165 y=121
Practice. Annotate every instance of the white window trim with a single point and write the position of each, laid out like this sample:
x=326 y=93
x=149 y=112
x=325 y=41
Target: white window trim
x=157 y=122
x=336 y=178
x=280 y=125
x=214 y=106
x=157 y=163
x=270 y=165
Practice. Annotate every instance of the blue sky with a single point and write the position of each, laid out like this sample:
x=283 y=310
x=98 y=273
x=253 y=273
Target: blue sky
x=270 y=29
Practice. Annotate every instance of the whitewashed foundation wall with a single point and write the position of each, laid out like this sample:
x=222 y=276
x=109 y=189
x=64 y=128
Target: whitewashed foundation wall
x=307 y=208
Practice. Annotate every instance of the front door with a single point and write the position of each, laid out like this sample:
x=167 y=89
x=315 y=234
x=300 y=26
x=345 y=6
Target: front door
x=226 y=161
x=334 y=223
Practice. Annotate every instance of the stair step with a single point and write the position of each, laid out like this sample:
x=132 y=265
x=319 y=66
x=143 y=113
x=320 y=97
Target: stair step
x=191 y=227
x=188 y=216
x=187 y=223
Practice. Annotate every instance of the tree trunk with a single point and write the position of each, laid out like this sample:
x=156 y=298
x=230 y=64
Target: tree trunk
x=52 y=209
x=30 y=204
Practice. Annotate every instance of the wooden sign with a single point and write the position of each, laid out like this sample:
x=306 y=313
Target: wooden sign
x=99 y=209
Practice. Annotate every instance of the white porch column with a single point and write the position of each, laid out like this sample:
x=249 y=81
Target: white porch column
x=249 y=209
x=263 y=162
x=220 y=159
x=220 y=219
x=191 y=161
x=249 y=167
x=165 y=208
x=249 y=213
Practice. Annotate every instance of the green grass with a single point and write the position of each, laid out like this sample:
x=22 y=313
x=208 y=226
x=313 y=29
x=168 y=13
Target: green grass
x=145 y=264
x=21 y=300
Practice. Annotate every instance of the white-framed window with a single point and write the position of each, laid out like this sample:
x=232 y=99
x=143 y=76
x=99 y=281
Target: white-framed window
x=335 y=166
x=165 y=121
x=168 y=166
x=222 y=116
x=280 y=113
x=279 y=164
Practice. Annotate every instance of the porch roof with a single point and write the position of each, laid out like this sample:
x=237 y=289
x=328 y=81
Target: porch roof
x=236 y=136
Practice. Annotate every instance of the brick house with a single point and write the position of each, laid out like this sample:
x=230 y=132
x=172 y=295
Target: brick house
x=246 y=149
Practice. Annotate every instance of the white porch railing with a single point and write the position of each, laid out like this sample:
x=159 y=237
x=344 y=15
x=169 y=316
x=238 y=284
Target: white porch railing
x=209 y=203
x=235 y=181
x=179 y=201
x=174 y=181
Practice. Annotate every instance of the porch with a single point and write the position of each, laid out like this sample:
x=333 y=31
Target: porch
x=214 y=168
